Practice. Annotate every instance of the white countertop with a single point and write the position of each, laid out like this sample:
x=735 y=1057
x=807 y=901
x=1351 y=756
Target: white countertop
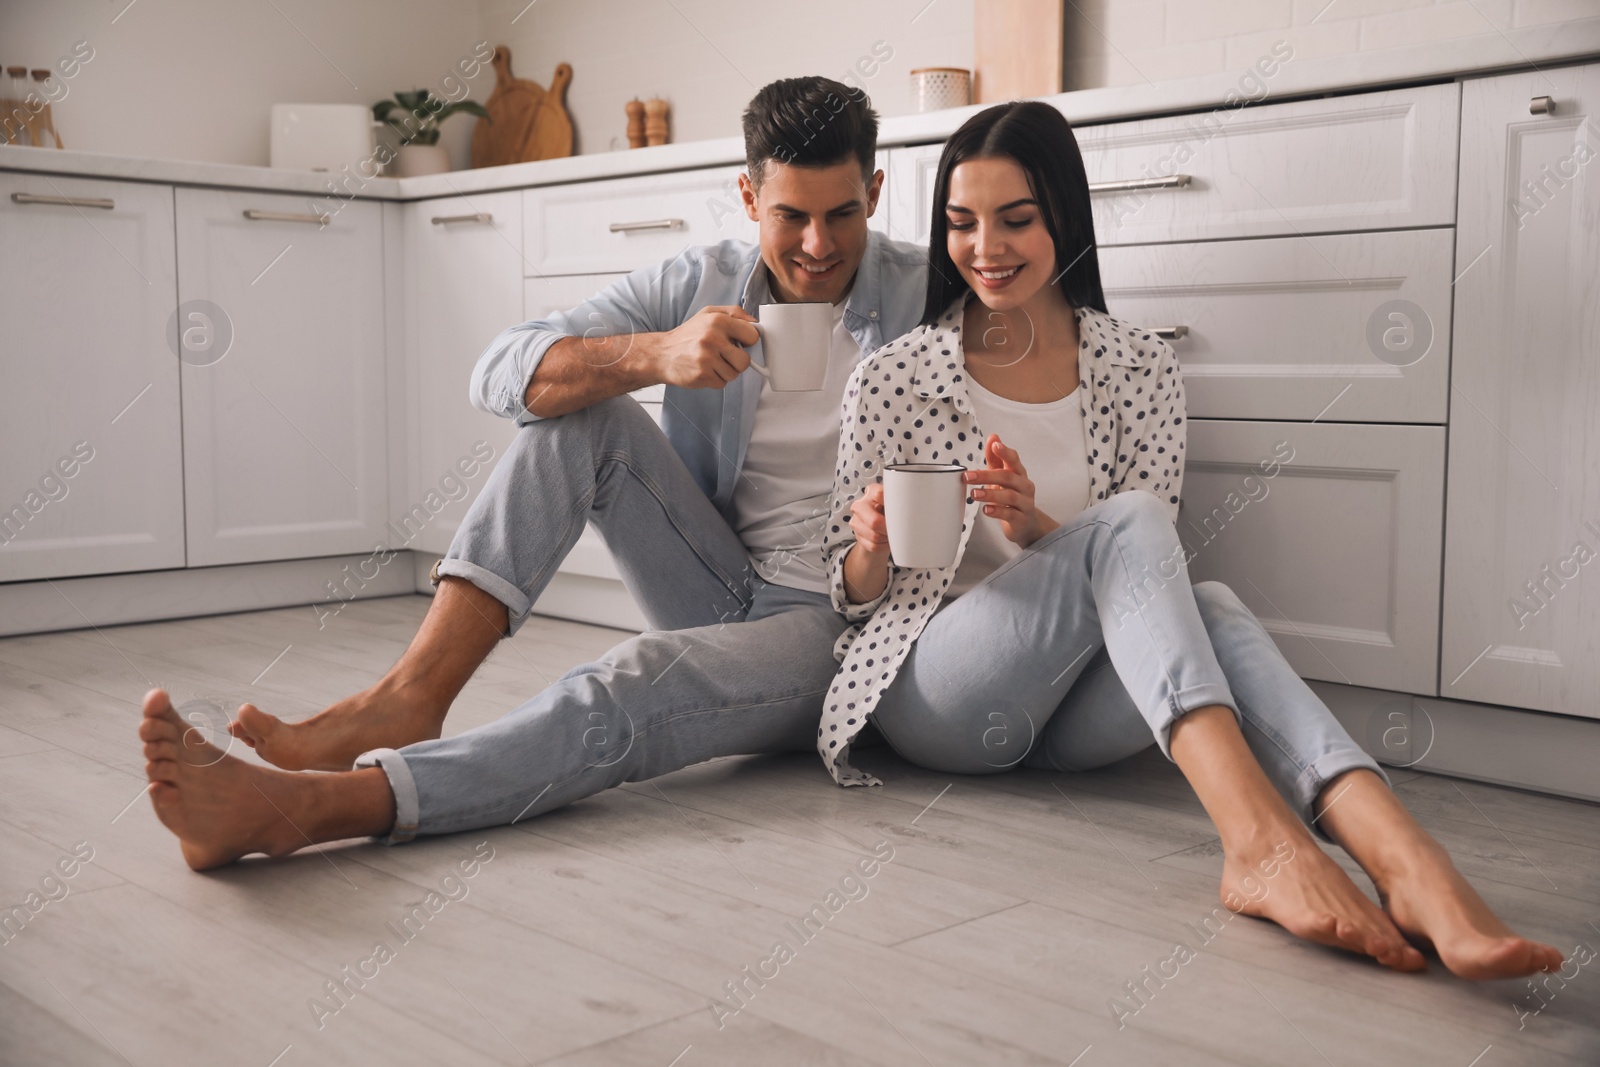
x=1514 y=49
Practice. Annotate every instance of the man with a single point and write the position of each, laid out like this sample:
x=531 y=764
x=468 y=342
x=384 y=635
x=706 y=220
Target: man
x=713 y=519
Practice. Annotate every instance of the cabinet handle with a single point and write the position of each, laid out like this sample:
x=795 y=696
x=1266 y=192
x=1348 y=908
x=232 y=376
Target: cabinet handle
x=65 y=201
x=1542 y=105
x=652 y=224
x=1175 y=181
x=478 y=216
x=287 y=216
x=1170 y=333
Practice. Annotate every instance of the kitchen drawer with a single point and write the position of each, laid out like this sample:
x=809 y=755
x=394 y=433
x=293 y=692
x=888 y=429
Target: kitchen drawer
x=1292 y=327
x=574 y=229
x=1384 y=160
x=1331 y=535
x=627 y=223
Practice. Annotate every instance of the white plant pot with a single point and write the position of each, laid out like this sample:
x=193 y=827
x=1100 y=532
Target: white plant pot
x=415 y=160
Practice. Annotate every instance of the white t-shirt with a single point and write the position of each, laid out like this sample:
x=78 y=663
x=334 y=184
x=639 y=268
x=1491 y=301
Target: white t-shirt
x=780 y=505
x=1049 y=440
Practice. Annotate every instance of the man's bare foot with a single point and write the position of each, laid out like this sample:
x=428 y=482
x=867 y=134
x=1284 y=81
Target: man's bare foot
x=1286 y=878
x=1434 y=905
x=383 y=716
x=220 y=807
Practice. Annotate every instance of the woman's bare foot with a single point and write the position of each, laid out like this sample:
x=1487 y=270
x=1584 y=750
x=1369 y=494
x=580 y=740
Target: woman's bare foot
x=1433 y=904
x=220 y=807
x=384 y=716
x=1286 y=878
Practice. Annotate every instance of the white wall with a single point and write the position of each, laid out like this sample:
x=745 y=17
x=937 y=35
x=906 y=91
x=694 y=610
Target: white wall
x=708 y=57
x=1120 y=42
x=192 y=79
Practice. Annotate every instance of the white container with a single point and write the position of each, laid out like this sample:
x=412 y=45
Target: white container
x=937 y=88
x=924 y=505
x=322 y=137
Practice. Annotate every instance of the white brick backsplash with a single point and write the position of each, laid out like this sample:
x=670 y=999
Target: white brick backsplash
x=1544 y=12
x=1168 y=38
x=1439 y=22
x=1204 y=20
x=1308 y=42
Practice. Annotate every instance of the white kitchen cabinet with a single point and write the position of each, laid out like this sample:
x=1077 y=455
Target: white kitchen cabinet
x=1343 y=327
x=284 y=405
x=87 y=289
x=463 y=286
x=1384 y=160
x=622 y=224
x=1331 y=535
x=1367 y=161
x=1522 y=543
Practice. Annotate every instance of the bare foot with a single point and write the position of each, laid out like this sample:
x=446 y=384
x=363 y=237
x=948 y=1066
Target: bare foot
x=220 y=807
x=380 y=717
x=1434 y=905
x=1293 y=883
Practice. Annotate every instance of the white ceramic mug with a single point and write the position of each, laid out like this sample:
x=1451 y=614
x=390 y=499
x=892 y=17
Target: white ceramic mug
x=795 y=340
x=924 y=504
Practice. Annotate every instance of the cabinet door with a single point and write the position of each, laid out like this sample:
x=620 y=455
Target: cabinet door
x=1344 y=327
x=1330 y=534
x=463 y=285
x=284 y=406
x=1522 y=548
x=91 y=387
x=910 y=191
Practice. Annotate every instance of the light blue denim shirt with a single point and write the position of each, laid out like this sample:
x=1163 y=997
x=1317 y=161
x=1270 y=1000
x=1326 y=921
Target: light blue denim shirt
x=709 y=428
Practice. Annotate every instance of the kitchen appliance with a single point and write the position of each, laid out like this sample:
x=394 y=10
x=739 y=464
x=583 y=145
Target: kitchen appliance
x=321 y=137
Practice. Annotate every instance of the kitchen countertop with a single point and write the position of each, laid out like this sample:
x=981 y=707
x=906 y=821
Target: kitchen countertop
x=1526 y=48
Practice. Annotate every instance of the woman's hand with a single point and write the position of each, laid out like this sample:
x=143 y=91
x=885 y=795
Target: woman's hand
x=1008 y=494
x=866 y=568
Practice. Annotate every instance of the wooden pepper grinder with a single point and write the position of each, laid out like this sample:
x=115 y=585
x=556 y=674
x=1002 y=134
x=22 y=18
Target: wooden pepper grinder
x=635 y=112
x=655 y=121
x=44 y=122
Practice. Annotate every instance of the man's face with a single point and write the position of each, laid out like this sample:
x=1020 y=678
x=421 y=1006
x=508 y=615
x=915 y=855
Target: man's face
x=813 y=226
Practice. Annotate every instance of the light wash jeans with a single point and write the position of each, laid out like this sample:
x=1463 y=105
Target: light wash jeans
x=738 y=666
x=1023 y=669
x=741 y=664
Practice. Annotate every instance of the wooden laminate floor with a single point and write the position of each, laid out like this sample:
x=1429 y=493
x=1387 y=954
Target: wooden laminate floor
x=1014 y=911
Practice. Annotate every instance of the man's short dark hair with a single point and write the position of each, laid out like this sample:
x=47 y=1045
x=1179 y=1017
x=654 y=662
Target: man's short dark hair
x=809 y=122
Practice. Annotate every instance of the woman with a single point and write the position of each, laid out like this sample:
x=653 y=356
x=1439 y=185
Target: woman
x=1067 y=631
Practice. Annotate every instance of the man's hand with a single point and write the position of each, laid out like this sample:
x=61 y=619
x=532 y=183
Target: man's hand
x=708 y=351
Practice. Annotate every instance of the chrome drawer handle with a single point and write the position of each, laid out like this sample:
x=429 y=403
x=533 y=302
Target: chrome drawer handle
x=652 y=224
x=1542 y=105
x=287 y=216
x=65 y=201
x=477 y=216
x=1170 y=333
x=1175 y=181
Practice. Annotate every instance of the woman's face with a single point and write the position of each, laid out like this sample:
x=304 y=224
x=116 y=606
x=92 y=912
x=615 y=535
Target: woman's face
x=997 y=237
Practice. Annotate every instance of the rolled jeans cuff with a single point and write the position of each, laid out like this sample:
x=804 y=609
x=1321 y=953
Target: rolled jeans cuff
x=1315 y=778
x=1193 y=699
x=404 y=788
x=516 y=601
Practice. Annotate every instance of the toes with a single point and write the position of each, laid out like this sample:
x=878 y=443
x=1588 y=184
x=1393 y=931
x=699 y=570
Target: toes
x=157 y=730
x=162 y=771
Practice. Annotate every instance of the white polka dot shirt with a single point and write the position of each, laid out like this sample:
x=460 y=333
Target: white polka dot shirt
x=908 y=403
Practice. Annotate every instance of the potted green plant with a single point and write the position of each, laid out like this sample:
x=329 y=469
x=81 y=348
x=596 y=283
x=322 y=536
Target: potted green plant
x=417 y=123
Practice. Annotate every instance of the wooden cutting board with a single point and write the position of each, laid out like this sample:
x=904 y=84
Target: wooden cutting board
x=527 y=121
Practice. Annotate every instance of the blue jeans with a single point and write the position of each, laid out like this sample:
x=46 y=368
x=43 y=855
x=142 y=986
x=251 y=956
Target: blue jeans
x=741 y=664
x=1024 y=668
x=738 y=666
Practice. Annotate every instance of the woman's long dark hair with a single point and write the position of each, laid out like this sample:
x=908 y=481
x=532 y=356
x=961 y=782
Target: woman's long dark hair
x=1038 y=139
